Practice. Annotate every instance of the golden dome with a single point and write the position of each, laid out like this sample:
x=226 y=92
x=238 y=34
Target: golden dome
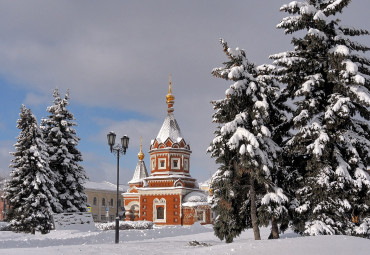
x=141 y=154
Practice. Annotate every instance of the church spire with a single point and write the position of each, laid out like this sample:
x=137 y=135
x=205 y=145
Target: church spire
x=141 y=154
x=170 y=98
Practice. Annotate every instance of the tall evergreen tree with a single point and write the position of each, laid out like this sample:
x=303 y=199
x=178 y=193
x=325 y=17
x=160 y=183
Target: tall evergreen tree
x=30 y=192
x=64 y=156
x=328 y=81
x=244 y=148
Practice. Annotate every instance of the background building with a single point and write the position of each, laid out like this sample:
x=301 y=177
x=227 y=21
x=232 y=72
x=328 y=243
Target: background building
x=102 y=197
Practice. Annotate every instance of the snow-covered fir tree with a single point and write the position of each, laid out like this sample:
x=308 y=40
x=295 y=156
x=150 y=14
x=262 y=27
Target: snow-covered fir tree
x=327 y=79
x=245 y=150
x=64 y=157
x=30 y=192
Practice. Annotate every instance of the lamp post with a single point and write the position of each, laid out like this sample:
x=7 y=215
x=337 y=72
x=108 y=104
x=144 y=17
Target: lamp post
x=119 y=149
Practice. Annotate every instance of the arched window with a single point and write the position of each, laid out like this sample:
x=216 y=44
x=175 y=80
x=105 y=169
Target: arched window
x=103 y=202
x=159 y=210
x=95 y=201
x=111 y=202
x=160 y=213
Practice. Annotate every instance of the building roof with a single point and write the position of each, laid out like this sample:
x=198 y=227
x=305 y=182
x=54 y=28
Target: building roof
x=140 y=172
x=107 y=186
x=170 y=129
x=195 y=198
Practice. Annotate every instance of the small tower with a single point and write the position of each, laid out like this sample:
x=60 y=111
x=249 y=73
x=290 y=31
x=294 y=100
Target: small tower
x=169 y=152
x=140 y=170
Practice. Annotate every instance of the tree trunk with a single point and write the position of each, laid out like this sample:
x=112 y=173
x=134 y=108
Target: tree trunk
x=274 y=229
x=256 y=229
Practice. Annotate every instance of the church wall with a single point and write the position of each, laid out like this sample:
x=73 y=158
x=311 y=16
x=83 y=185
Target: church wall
x=172 y=209
x=195 y=214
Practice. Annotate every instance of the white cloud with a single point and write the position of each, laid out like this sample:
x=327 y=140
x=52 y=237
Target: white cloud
x=33 y=99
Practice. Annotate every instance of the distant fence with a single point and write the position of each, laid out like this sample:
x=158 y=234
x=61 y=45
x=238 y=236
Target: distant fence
x=77 y=220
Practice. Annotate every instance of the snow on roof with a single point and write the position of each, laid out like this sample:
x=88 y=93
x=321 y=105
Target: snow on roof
x=170 y=129
x=140 y=172
x=195 y=198
x=171 y=176
x=108 y=186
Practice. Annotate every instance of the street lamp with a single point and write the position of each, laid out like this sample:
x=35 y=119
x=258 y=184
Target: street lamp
x=119 y=149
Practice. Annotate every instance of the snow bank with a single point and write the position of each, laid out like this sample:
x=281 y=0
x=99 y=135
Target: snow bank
x=123 y=225
x=176 y=240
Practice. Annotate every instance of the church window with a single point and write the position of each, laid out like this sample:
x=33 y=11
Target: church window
x=186 y=164
x=159 y=210
x=103 y=202
x=201 y=216
x=175 y=163
x=160 y=213
x=95 y=201
x=162 y=164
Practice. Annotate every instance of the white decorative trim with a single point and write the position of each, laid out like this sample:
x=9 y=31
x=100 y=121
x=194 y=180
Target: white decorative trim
x=152 y=164
x=161 y=202
x=178 y=183
x=132 y=203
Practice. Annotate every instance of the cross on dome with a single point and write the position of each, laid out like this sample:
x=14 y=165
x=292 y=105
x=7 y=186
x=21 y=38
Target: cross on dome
x=170 y=98
x=141 y=154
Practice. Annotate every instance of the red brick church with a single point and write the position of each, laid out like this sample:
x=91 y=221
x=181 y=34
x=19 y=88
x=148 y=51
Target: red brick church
x=169 y=196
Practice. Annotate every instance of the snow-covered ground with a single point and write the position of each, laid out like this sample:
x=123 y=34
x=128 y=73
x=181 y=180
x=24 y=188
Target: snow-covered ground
x=175 y=240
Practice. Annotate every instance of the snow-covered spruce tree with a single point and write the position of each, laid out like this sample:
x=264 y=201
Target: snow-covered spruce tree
x=244 y=148
x=30 y=191
x=328 y=80
x=64 y=156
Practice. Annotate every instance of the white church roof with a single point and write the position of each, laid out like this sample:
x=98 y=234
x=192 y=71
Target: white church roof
x=170 y=129
x=140 y=172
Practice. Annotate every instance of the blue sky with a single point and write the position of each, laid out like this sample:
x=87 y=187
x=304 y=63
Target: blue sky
x=116 y=56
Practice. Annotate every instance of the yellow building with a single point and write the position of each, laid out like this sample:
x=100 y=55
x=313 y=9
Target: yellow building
x=102 y=197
